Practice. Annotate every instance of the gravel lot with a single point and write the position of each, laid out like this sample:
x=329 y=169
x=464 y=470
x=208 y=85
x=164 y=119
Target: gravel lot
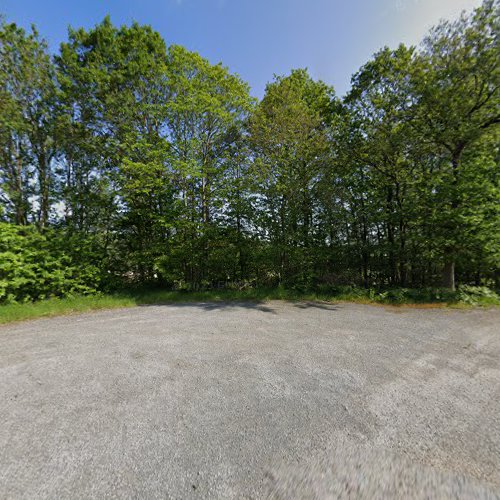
x=252 y=400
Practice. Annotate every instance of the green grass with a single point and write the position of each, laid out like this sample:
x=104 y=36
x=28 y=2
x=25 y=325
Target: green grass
x=57 y=307
x=400 y=297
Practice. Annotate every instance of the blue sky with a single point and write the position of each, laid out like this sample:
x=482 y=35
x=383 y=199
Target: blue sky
x=257 y=38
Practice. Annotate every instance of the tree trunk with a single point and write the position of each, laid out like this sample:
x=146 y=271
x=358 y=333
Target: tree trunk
x=449 y=258
x=20 y=197
x=365 y=255
x=44 y=181
x=449 y=273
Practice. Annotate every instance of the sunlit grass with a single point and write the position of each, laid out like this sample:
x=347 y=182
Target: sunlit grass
x=69 y=305
x=56 y=307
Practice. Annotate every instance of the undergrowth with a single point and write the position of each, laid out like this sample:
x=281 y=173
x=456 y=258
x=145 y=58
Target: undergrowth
x=465 y=296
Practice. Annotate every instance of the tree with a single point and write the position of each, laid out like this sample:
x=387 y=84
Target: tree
x=157 y=167
x=384 y=156
x=289 y=142
x=114 y=88
x=206 y=109
x=28 y=119
x=456 y=84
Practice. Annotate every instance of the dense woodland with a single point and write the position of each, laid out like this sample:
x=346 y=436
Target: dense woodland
x=126 y=161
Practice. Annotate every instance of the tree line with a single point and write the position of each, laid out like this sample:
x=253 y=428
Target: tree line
x=124 y=160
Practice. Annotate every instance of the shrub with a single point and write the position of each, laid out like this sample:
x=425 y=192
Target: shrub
x=475 y=295
x=36 y=265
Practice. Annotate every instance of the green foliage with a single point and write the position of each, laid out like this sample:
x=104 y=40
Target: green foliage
x=455 y=85
x=36 y=266
x=141 y=164
x=28 y=125
x=475 y=295
x=289 y=140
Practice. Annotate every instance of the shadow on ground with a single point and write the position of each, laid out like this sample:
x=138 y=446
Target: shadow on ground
x=316 y=305
x=254 y=305
x=214 y=306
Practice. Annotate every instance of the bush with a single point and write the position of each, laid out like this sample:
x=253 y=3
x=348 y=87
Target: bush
x=36 y=265
x=475 y=295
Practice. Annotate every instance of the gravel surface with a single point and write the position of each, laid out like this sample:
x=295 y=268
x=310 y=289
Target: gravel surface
x=250 y=400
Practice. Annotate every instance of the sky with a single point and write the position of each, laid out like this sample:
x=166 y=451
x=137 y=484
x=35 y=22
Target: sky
x=256 y=38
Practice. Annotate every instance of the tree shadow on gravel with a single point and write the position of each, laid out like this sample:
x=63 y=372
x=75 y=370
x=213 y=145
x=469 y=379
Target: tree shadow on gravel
x=316 y=305
x=219 y=306
x=252 y=305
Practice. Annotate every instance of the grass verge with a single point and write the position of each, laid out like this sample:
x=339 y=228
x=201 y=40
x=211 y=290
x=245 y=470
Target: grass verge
x=398 y=297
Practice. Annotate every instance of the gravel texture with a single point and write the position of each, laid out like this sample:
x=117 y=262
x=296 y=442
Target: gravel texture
x=252 y=400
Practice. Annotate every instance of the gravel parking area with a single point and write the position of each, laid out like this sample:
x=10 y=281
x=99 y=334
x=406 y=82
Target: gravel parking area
x=252 y=400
